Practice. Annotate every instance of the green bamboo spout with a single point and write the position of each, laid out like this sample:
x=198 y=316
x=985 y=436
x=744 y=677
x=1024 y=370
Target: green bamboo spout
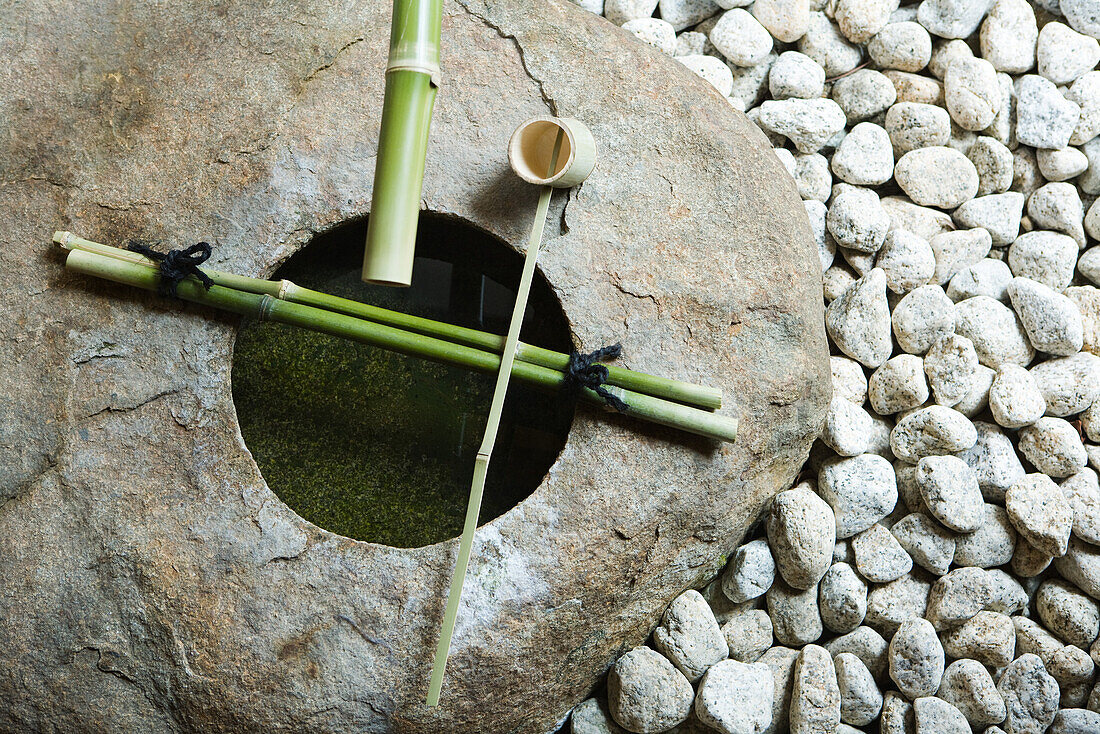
x=412 y=78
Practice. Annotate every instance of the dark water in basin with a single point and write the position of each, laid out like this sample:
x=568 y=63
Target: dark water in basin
x=378 y=446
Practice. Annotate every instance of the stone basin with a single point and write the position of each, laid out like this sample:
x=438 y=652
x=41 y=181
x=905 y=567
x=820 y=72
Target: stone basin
x=149 y=578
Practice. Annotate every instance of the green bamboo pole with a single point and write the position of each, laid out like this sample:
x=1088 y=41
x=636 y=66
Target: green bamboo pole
x=412 y=77
x=268 y=307
x=682 y=392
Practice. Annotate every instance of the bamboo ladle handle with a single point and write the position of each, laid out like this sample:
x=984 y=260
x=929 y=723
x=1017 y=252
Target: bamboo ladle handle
x=565 y=149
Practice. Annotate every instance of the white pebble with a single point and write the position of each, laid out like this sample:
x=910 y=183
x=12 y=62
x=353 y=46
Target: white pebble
x=913 y=125
x=1062 y=164
x=656 y=32
x=957 y=250
x=842 y=598
x=950 y=365
x=645 y=693
x=808 y=123
x=952 y=18
x=801 y=530
x=995 y=330
x=879 y=556
x=972 y=93
x=1058 y=206
x=689 y=635
x=1069 y=385
x=992 y=544
x=907 y=260
x=785 y=20
x=994 y=461
x=968 y=687
x=987 y=277
x=711 y=70
x=950 y=492
x=796 y=75
x=1008 y=36
x=904 y=46
x=749 y=573
x=1053 y=446
x=937 y=176
x=1046 y=257
x=621 y=11
x=1014 y=398
x=1052 y=321
x=923 y=316
x=865 y=158
x=824 y=43
x=860 y=698
x=740 y=38
x=932 y=431
x=916 y=658
x=859 y=320
x=1040 y=513
x=987 y=637
x=899 y=384
x=1030 y=694
x=864 y=94
x=736 y=698
x=1044 y=118
x=1064 y=54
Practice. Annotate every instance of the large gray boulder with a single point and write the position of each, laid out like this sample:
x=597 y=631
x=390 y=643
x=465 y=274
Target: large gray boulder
x=149 y=579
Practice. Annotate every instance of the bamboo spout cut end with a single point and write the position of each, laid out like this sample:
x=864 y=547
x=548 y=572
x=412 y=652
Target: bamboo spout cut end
x=63 y=238
x=532 y=146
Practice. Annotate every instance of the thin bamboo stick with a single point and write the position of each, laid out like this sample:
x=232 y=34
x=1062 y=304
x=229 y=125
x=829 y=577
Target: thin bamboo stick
x=646 y=407
x=412 y=76
x=676 y=390
x=488 y=442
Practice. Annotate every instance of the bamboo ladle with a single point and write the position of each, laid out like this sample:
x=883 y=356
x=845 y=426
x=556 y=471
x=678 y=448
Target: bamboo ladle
x=565 y=149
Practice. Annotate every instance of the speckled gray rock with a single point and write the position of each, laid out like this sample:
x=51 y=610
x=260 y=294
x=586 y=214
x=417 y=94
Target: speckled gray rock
x=1014 y=398
x=1083 y=492
x=1069 y=614
x=749 y=573
x=1046 y=257
x=860 y=698
x=998 y=214
x=921 y=317
x=748 y=633
x=933 y=715
x=1009 y=596
x=988 y=637
x=878 y=555
x=907 y=260
x=888 y=605
x=859 y=320
x=808 y=123
x=864 y=94
x=1075 y=721
x=937 y=176
x=1052 y=321
x=995 y=330
x=1086 y=93
x=842 y=599
x=1008 y=36
x=689 y=635
x=1069 y=385
x=1058 y=206
x=621 y=11
x=905 y=46
x=958 y=596
x=656 y=32
x=1062 y=164
x=848 y=379
x=972 y=93
x=987 y=277
x=1063 y=54
x=952 y=18
x=646 y=693
x=1044 y=118
x=913 y=125
x=1040 y=513
x=1053 y=446
x=897 y=715
x=1081 y=566
x=916 y=658
x=856 y=219
x=865 y=158
x=780 y=660
x=736 y=698
x=290 y=100
x=976 y=399
x=815 y=696
x=957 y=250
x=866 y=644
x=740 y=38
x=785 y=20
x=712 y=70
x=684 y=13
x=932 y=431
x=1030 y=695
x=1028 y=561
x=824 y=43
x=592 y=716
x=899 y=384
x=929 y=545
x=796 y=619
x=795 y=75
x=993 y=460
x=1032 y=637
x=968 y=687
x=992 y=544
x=950 y=365
x=861 y=490
x=950 y=491
x=801 y=532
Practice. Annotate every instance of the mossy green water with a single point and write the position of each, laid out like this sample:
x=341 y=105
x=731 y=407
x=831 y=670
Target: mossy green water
x=380 y=447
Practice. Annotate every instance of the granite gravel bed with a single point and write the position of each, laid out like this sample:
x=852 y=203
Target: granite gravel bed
x=936 y=569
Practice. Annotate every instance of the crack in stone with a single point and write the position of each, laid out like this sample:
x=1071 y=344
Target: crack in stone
x=335 y=57
x=546 y=98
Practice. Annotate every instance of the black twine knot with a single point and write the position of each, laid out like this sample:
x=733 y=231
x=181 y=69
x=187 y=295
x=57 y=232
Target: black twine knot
x=175 y=265
x=584 y=370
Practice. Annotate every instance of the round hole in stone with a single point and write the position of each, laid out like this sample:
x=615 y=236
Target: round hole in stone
x=378 y=446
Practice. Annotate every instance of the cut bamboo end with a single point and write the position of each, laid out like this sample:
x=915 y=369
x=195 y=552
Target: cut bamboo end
x=531 y=149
